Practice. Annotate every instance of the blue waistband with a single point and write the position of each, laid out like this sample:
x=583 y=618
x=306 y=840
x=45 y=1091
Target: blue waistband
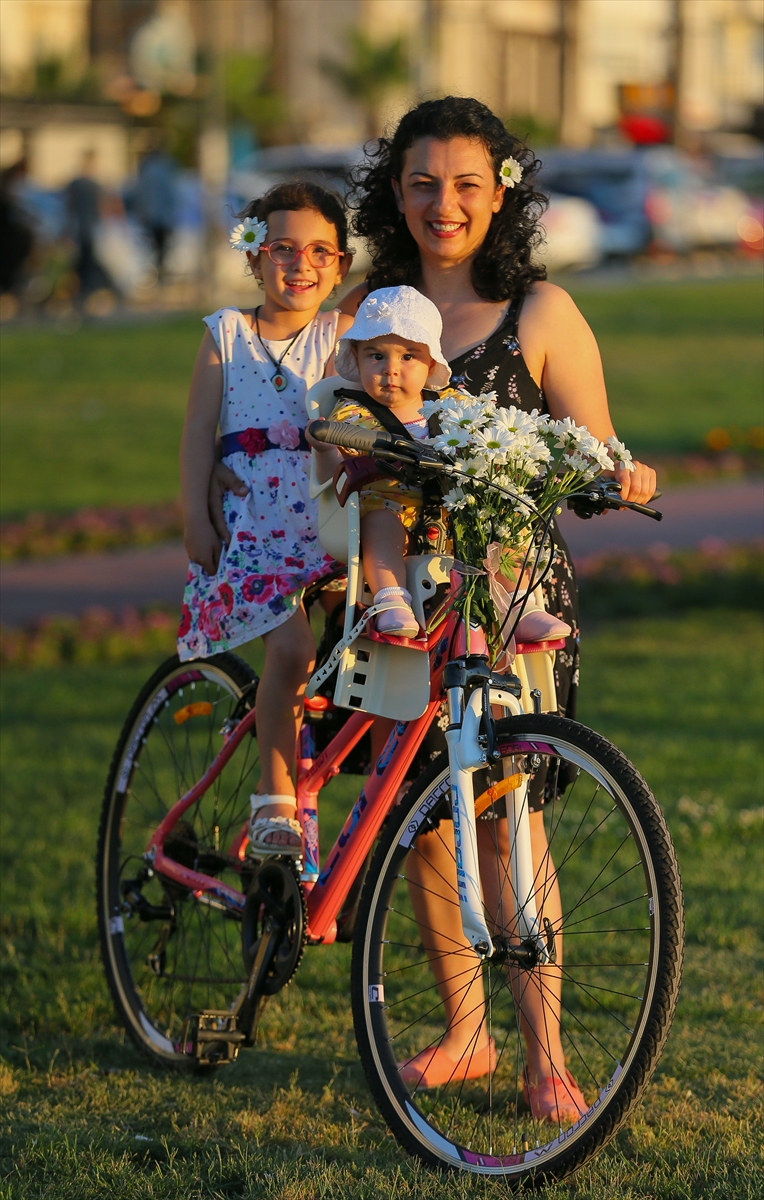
x=255 y=441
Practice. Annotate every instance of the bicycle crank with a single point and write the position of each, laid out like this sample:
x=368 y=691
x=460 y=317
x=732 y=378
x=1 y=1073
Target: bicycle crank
x=272 y=938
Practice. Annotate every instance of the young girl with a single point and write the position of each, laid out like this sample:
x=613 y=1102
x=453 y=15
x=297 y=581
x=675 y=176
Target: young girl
x=251 y=374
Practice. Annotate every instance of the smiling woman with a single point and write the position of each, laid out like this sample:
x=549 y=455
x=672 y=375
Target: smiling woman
x=448 y=206
x=403 y=210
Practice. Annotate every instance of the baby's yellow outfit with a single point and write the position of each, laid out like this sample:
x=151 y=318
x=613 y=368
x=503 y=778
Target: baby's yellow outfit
x=401 y=498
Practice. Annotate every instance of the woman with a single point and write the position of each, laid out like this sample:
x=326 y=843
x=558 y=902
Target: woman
x=436 y=215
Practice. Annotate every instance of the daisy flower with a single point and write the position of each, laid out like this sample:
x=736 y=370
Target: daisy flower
x=511 y=172
x=620 y=453
x=250 y=235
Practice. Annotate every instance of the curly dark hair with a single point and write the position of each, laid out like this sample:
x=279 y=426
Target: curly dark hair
x=297 y=196
x=502 y=268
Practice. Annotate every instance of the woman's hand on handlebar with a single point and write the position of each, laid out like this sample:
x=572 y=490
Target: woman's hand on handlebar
x=222 y=480
x=638 y=485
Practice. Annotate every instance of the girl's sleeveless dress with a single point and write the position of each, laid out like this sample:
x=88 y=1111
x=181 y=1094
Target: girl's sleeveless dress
x=497 y=365
x=274 y=551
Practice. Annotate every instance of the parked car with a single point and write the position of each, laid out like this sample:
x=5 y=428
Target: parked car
x=614 y=182
x=573 y=234
x=657 y=195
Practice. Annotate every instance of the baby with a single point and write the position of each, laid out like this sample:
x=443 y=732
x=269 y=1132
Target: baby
x=393 y=350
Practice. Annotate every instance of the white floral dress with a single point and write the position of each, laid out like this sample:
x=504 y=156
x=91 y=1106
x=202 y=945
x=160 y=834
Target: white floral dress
x=274 y=552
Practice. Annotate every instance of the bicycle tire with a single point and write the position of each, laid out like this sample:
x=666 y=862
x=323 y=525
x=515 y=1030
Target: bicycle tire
x=396 y=1004
x=164 y=746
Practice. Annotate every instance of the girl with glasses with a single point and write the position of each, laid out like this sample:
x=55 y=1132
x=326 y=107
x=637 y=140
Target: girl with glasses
x=247 y=574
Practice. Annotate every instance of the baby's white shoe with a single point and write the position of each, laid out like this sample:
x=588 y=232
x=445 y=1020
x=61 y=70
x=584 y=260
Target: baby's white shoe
x=398 y=620
x=273 y=835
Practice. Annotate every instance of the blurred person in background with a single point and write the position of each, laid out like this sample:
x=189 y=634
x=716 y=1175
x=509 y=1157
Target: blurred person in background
x=16 y=237
x=84 y=203
x=156 y=200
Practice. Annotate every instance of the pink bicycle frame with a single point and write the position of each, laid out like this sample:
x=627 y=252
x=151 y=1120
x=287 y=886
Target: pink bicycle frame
x=327 y=891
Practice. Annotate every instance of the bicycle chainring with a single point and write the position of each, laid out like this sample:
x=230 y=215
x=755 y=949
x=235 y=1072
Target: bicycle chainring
x=275 y=891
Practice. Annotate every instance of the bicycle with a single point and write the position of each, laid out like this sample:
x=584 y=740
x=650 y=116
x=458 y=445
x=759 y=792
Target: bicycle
x=196 y=937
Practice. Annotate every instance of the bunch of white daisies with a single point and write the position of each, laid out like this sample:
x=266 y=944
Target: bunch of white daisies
x=538 y=460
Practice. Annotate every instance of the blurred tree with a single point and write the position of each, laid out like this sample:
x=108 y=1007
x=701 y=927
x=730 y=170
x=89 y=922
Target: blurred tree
x=55 y=78
x=532 y=130
x=248 y=97
x=369 y=71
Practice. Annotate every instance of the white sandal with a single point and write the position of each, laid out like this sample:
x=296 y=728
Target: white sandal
x=399 y=619
x=261 y=828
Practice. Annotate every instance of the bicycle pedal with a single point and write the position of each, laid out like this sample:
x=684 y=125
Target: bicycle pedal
x=212 y=1036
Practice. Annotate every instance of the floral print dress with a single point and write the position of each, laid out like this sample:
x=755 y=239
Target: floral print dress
x=497 y=365
x=274 y=551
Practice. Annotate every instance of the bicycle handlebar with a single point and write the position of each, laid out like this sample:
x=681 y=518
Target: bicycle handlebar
x=598 y=496
x=378 y=444
x=606 y=493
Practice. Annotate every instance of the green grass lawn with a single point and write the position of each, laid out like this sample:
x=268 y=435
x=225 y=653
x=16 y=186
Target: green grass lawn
x=84 y=1117
x=94 y=416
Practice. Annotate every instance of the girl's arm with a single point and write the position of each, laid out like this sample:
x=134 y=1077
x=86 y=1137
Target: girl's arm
x=562 y=355
x=197 y=455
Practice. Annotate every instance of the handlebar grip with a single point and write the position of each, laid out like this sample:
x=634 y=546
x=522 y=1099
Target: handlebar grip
x=337 y=433
x=641 y=508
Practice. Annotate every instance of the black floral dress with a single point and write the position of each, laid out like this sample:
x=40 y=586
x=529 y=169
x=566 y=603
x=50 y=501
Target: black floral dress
x=497 y=365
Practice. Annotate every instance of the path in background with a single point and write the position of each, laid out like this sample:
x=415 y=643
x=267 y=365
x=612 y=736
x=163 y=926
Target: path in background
x=731 y=512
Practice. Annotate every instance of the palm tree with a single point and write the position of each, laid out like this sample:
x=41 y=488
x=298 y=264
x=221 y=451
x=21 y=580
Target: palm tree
x=370 y=70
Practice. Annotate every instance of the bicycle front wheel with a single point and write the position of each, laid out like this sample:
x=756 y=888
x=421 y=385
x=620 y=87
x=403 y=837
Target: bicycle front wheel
x=168 y=952
x=608 y=894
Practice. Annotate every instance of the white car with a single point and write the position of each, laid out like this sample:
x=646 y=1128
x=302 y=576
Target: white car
x=573 y=234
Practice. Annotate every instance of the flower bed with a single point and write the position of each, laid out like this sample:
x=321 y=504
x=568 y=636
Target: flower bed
x=99 y=636
x=715 y=575
x=663 y=580
x=38 y=535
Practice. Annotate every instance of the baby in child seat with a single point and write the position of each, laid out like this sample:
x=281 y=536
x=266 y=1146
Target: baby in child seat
x=393 y=350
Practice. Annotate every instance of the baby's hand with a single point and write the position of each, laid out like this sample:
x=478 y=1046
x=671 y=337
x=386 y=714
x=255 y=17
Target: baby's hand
x=202 y=544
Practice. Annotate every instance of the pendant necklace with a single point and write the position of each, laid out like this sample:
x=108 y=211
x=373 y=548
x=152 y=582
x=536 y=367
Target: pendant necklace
x=279 y=380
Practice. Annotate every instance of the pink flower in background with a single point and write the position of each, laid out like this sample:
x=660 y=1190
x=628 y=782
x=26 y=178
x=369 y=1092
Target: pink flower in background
x=253 y=441
x=284 y=435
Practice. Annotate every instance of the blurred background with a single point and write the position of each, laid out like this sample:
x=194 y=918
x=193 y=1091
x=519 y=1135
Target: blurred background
x=132 y=129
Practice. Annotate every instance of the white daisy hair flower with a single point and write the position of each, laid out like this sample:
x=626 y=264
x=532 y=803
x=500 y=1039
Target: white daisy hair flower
x=510 y=173
x=249 y=235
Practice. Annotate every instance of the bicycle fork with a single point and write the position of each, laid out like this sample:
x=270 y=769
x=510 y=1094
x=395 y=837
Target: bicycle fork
x=471 y=690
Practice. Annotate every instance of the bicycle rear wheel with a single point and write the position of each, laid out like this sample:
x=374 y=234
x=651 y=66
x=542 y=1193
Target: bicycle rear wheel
x=617 y=932
x=167 y=952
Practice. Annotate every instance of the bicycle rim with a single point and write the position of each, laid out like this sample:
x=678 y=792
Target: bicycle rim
x=618 y=934
x=169 y=952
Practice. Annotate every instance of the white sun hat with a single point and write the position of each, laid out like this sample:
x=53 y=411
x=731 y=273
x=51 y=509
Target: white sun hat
x=395 y=310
